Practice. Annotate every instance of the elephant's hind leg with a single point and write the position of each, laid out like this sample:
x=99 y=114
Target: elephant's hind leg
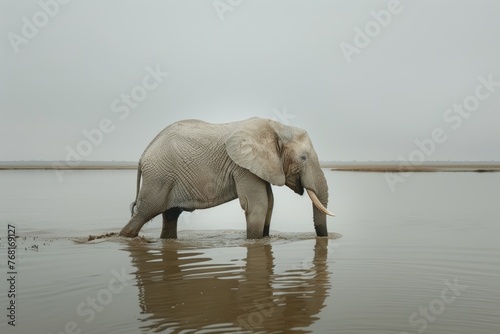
x=169 y=229
x=151 y=203
x=135 y=224
x=141 y=216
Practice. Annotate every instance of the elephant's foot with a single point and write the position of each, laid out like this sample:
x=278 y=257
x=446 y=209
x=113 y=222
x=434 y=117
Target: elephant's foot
x=256 y=228
x=321 y=230
x=255 y=232
x=254 y=235
x=129 y=233
x=266 y=230
x=131 y=230
x=164 y=235
x=169 y=231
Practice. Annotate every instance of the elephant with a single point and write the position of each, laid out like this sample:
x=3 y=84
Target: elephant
x=192 y=164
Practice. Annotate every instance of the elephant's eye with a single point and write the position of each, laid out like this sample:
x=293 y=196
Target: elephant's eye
x=303 y=158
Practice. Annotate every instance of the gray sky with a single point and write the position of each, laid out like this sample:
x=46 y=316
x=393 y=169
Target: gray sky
x=366 y=78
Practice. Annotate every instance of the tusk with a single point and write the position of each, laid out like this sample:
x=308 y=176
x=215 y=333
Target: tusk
x=317 y=203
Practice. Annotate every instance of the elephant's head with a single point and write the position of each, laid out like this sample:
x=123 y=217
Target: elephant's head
x=282 y=155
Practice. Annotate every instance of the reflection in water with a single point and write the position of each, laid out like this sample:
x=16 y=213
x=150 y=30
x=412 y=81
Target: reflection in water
x=181 y=289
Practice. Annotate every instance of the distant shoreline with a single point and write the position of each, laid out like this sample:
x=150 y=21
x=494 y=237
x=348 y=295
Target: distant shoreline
x=399 y=168
x=68 y=166
x=377 y=167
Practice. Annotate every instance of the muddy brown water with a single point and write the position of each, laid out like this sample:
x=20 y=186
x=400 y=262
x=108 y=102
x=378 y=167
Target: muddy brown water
x=421 y=259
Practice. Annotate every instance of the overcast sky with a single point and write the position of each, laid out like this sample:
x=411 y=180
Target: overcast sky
x=367 y=79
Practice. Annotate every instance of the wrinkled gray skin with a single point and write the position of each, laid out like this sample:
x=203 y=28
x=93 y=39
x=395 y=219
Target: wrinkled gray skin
x=193 y=165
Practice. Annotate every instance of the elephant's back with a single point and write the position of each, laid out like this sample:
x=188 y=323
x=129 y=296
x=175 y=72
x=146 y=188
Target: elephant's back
x=188 y=132
x=186 y=141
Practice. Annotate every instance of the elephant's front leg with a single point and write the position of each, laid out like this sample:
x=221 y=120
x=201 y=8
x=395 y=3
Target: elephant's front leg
x=270 y=204
x=169 y=229
x=253 y=196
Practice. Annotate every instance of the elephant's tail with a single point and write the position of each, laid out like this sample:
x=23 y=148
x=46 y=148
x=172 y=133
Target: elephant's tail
x=139 y=172
x=132 y=206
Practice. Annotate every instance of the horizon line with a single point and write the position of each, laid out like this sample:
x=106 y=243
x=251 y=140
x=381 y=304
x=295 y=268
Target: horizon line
x=348 y=166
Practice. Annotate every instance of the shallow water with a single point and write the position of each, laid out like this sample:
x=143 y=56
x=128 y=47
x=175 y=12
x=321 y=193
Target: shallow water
x=423 y=258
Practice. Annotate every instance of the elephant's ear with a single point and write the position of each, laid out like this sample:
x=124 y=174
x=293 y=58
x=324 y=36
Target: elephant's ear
x=255 y=145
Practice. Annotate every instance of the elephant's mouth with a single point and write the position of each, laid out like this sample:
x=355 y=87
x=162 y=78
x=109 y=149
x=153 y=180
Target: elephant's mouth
x=293 y=182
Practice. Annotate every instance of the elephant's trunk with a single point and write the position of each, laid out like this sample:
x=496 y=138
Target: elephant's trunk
x=318 y=192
